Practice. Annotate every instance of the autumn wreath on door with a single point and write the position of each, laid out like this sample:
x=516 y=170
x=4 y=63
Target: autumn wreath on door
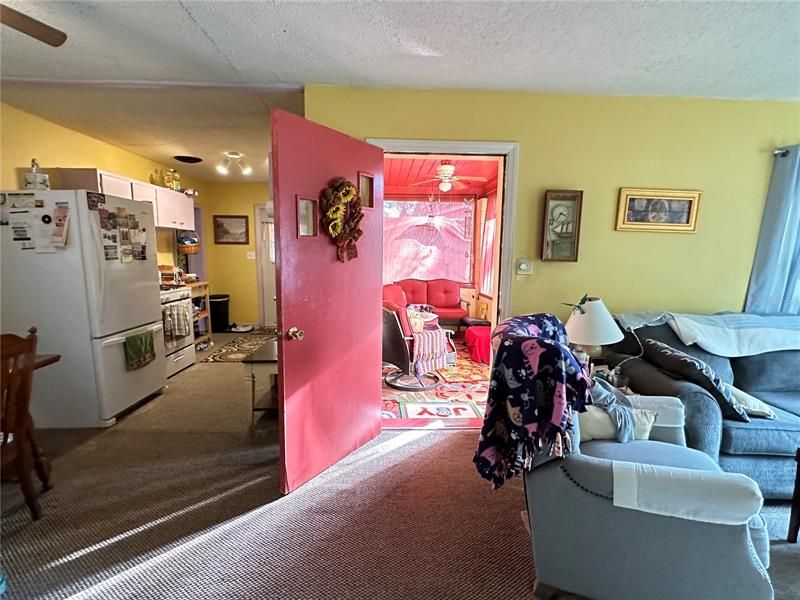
x=341 y=216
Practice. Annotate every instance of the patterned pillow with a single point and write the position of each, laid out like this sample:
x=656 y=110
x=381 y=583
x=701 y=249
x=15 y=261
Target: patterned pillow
x=695 y=370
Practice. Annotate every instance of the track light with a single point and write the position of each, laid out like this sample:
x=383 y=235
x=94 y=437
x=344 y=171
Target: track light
x=445 y=186
x=224 y=168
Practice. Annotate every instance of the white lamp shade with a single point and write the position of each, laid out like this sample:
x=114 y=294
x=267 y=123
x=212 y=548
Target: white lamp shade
x=594 y=327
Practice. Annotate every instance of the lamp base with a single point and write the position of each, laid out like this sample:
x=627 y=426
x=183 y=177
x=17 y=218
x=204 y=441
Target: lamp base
x=594 y=352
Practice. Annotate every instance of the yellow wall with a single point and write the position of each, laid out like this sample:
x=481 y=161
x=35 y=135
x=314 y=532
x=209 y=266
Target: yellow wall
x=229 y=270
x=599 y=144
x=24 y=136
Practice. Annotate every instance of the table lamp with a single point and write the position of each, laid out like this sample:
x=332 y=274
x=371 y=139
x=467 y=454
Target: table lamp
x=591 y=326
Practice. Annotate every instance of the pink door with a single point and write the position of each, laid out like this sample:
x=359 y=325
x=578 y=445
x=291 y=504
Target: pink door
x=330 y=376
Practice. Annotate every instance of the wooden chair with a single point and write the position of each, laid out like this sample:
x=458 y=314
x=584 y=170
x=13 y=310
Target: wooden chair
x=17 y=357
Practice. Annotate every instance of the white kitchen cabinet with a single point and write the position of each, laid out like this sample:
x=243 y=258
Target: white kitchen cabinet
x=114 y=185
x=174 y=209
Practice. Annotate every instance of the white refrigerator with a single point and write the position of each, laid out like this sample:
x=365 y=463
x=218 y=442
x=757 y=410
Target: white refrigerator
x=86 y=290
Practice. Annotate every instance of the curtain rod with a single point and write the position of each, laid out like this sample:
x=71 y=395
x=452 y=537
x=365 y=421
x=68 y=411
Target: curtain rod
x=780 y=152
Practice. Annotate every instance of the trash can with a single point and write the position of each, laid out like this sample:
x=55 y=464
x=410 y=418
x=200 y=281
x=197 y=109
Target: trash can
x=219 y=312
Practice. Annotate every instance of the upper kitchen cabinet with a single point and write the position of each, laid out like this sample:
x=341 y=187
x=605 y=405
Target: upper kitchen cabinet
x=174 y=209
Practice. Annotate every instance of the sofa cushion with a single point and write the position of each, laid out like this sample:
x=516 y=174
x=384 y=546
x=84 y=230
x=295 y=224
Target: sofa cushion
x=450 y=313
x=771 y=371
x=651 y=453
x=394 y=294
x=416 y=291
x=788 y=401
x=665 y=335
x=695 y=370
x=443 y=293
x=778 y=436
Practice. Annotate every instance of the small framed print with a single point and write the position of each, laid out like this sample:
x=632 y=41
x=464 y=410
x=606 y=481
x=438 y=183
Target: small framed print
x=307 y=217
x=231 y=229
x=366 y=189
x=562 y=225
x=672 y=211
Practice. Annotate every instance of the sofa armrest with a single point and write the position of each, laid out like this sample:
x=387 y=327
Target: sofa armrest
x=703 y=415
x=571 y=499
x=704 y=496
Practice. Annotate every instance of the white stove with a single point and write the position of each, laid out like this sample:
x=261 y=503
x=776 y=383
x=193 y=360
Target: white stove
x=177 y=312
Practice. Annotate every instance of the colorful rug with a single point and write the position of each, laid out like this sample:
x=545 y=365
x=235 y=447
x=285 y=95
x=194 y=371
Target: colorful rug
x=465 y=369
x=449 y=406
x=240 y=347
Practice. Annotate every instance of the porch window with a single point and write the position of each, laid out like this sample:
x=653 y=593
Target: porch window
x=427 y=240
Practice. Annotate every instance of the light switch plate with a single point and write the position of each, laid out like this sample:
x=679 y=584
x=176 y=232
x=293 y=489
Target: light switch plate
x=524 y=266
x=251 y=255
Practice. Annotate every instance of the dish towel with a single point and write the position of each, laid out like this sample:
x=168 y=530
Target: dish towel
x=140 y=350
x=430 y=351
x=182 y=318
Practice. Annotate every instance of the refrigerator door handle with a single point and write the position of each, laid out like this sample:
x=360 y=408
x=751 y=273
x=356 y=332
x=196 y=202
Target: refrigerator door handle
x=122 y=338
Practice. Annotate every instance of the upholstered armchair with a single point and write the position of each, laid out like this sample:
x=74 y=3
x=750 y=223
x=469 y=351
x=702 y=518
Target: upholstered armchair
x=707 y=542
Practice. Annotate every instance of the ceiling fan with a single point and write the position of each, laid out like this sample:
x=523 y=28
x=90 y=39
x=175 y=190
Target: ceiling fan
x=32 y=27
x=448 y=180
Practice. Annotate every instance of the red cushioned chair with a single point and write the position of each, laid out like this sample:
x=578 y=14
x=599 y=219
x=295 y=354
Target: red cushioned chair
x=398 y=345
x=442 y=294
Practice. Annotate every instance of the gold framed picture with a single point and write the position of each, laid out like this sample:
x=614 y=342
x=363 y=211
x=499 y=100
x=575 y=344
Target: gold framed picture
x=672 y=211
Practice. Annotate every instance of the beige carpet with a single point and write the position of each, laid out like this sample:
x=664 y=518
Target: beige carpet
x=180 y=500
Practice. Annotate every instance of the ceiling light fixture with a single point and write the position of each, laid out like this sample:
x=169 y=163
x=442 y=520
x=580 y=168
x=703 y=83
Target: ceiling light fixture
x=224 y=168
x=445 y=186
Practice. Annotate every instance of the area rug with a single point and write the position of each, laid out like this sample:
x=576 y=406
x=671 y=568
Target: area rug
x=465 y=369
x=240 y=347
x=449 y=406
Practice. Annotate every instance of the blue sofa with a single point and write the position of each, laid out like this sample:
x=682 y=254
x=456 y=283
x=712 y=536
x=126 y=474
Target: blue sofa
x=763 y=449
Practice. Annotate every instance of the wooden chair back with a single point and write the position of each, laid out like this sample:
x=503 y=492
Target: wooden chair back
x=17 y=358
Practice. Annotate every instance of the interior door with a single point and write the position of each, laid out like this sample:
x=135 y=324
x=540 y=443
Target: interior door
x=330 y=377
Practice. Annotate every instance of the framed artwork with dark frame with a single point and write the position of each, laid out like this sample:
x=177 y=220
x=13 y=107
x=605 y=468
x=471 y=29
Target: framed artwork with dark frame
x=231 y=229
x=366 y=189
x=307 y=216
x=562 y=225
x=673 y=211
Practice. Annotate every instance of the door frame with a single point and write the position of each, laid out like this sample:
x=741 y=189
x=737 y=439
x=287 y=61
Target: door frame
x=510 y=150
x=263 y=212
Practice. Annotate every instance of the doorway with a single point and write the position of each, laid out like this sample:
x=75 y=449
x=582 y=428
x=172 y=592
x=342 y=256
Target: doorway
x=265 y=263
x=443 y=217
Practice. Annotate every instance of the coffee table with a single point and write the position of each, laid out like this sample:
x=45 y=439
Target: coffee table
x=794 y=520
x=263 y=363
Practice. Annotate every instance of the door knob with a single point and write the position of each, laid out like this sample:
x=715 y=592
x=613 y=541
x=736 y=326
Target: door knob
x=295 y=334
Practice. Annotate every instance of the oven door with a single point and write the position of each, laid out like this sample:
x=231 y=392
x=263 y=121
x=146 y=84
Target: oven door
x=172 y=341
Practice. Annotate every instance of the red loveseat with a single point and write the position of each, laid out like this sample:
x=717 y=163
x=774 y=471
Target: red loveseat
x=442 y=294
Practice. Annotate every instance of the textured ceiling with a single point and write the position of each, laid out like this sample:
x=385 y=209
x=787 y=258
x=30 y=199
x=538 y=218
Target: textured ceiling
x=162 y=123
x=722 y=48
x=400 y=172
x=125 y=52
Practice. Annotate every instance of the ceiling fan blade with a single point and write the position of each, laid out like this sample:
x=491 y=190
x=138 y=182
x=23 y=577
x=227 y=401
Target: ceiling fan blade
x=470 y=178
x=426 y=182
x=32 y=27
x=457 y=185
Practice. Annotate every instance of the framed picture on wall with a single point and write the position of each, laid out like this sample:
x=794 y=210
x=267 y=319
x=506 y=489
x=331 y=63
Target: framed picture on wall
x=658 y=210
x=231 y=229
x=562 y=225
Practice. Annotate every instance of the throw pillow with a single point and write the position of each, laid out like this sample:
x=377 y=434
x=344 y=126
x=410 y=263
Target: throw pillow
x=695 y=370
x=752 y=405
x=643 y=422
x=596 y=424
